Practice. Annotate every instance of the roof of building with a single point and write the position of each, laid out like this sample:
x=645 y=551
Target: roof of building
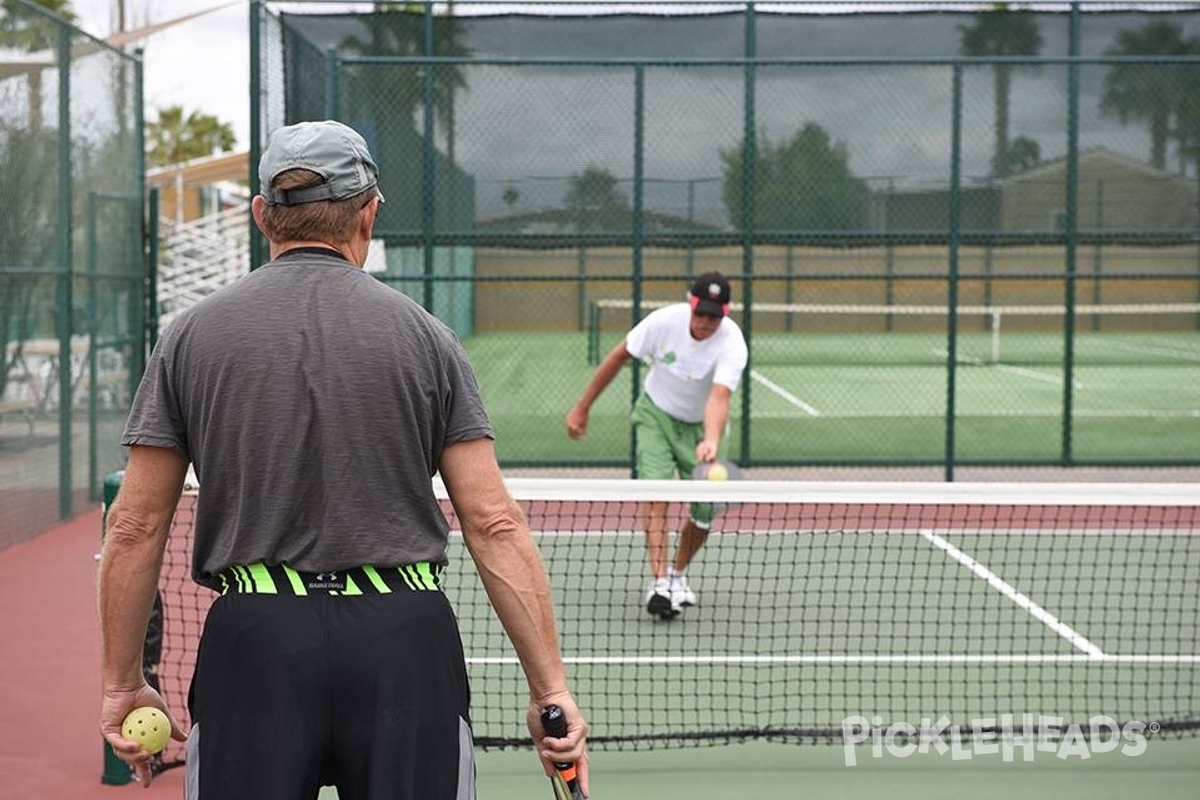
x=203 y=171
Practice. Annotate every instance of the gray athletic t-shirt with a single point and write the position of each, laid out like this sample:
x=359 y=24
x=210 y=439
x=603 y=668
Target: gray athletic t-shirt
x=314 y=403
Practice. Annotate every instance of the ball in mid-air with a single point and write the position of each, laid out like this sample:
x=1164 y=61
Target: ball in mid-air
x=717 y=472
x=149 y=727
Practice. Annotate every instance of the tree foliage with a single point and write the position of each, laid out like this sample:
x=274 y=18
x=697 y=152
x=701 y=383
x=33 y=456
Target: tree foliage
x=1001 y=31
x=594 y=203
x=398 y=29
x=1187 y=129
x=23 y=30
x=27 y=160
x=27 y=233
x=803 y=183
x=1160 y=94
x=1023 y=154
x=174 y=138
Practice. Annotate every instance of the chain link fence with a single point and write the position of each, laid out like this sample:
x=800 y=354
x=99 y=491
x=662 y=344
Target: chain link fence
x=961 y=237
x=71 y=265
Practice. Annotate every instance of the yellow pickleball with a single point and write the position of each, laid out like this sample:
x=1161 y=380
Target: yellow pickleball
x=717 y=472
x=149 y=727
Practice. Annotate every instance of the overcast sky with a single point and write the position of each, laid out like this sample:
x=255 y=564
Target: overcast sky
x=203 y=64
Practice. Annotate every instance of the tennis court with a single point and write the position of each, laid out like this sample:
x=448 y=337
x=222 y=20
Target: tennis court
x=1002 y=607
x=879 y=397
x=1166 y=769
x=863 y=614
x=52 y=688
x=946 y=604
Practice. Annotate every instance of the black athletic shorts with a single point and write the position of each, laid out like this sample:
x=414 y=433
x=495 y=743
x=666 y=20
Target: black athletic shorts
x=366 y=692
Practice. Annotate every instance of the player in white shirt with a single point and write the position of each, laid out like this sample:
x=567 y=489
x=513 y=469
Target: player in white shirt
x=698 y=356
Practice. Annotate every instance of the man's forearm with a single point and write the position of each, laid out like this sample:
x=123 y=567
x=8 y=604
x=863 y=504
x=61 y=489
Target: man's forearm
x=609 y=368
x=515 y=579
x=129 y=569
x=716 y=416
x=497 y=536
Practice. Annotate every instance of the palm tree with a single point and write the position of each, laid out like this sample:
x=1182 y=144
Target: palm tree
x=31 y=32
x=398 y=29
x=1152 y=92
x=1001 y=31
x=173 y=138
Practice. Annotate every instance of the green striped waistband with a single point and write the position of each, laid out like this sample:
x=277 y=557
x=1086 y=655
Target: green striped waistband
x=259 y=578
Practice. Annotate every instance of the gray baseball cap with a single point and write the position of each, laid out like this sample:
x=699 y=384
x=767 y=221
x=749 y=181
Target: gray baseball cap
x=329 y=148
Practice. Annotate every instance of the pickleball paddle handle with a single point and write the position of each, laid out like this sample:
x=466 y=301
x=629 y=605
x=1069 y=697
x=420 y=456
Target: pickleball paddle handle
x=555 y=726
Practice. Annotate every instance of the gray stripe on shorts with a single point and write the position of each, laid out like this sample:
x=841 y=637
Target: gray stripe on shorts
x=191 y=781
x=466 y=762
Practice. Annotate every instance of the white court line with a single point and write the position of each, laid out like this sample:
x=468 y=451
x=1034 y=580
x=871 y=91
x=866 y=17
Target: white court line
x=1167 y=413
x=1006 y=589
x=588 y=534
x=784 y=393
x=1022 y=371
x=1156 y=350
x=1034 y=374
x=945 y=658
x=1116 y=413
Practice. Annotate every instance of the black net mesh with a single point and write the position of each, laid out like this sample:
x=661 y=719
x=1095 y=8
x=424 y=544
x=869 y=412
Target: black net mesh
x=822 y=610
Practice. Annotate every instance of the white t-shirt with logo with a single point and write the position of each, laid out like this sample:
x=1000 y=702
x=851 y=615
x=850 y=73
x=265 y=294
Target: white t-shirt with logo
x=683 y=369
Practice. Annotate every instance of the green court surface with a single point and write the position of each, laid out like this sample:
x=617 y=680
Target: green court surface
x=1167 y=769
x=880 y=397
x=815 y=613
x=801 y=631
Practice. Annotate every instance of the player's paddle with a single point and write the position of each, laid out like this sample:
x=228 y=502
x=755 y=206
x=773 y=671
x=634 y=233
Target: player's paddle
x=564 y=780
x=719 y=470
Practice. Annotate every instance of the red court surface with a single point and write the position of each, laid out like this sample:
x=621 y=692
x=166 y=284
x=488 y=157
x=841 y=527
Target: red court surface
x=50 y=746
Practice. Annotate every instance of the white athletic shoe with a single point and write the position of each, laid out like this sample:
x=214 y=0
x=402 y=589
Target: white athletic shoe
x=658 y=599
x=681 y=593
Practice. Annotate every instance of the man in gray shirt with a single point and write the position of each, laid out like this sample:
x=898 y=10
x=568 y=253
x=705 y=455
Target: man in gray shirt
x=315 y=405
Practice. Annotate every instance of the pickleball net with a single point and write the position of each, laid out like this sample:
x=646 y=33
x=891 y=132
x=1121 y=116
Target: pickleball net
x=961 y=609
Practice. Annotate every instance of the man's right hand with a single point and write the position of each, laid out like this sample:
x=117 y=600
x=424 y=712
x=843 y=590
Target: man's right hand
x=577 y=422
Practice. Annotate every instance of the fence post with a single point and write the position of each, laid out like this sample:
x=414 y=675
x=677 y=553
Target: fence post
x=116 y=771
x=952 y=288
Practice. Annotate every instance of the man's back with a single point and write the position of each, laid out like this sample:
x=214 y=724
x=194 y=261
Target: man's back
x=317 y=402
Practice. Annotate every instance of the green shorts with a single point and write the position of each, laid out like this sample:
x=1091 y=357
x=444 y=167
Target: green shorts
x=666 y=445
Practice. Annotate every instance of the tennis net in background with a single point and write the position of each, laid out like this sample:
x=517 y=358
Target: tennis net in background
x=1027 y=333
x=819 y=602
